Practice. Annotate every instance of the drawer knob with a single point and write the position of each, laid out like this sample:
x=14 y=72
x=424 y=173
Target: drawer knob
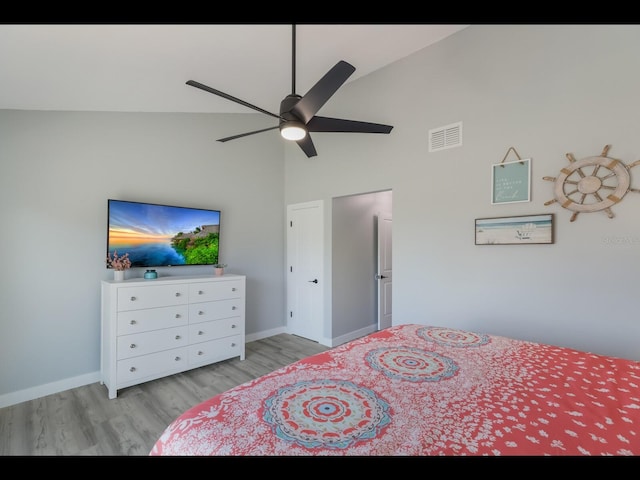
x=233 y=344
x=132 y=322
x=233 y=326
x=200 y=312
x=233 y=308
x=200 y=332
x=133 y=345
x=233 y=289
x=177 y=294
x=133 y=299
x=177 y=337
x=200 y=352
x=177 y=359
x=177 y=315
x=132 y=369
x=200 y=292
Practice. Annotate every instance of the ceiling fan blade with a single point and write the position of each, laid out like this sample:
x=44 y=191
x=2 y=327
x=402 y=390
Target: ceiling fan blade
x=306 y=144
x=322 y=91
x=326 y=124
x=226 y=139
x=201 y=86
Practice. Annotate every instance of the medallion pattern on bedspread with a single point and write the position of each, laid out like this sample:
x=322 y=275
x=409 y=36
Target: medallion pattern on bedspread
x=451 y=337
x=326 y=413
x=413 y=364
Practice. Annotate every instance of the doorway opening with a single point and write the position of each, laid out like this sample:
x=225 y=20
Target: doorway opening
x=355 y=295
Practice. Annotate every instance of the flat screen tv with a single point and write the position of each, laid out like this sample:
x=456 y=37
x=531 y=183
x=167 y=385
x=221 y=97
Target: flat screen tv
x=163 y=235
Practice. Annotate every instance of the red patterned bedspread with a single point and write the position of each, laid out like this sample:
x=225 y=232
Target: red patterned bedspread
x=423 y=390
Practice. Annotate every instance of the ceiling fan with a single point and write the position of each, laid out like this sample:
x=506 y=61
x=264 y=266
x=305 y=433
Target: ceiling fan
x=297 y=117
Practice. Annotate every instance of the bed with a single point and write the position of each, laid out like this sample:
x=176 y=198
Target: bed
x=418 y=390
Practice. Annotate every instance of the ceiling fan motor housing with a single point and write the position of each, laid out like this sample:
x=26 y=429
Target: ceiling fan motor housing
x=285 y=109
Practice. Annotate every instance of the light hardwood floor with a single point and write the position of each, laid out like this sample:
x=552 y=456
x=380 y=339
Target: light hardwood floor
x=84 y=422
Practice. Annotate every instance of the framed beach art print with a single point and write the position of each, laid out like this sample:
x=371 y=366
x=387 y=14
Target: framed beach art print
x=518 y=230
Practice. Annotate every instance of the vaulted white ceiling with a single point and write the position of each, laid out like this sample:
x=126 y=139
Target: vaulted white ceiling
x=143 y=68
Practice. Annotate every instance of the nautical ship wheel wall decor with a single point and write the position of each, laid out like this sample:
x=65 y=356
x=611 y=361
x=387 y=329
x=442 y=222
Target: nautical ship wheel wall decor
x=592 y=184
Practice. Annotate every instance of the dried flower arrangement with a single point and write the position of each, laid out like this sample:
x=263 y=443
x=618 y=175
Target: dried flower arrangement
x=118 y=263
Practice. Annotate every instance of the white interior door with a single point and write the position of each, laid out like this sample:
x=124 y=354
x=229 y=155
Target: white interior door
x=305 y=280
x=385 y=272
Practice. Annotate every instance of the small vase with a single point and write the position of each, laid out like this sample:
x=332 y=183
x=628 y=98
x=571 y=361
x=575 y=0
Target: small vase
x=118 y=275
x=219 y=272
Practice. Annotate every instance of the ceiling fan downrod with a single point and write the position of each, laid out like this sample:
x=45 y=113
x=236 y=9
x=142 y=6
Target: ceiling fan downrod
x=293 y=59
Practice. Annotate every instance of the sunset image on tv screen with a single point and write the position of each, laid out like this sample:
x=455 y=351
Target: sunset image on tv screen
x=162 y=235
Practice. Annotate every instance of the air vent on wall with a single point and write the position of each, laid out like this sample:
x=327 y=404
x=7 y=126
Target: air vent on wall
x=445 y=137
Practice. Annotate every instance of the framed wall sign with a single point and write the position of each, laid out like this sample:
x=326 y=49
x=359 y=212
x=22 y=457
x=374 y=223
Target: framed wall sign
x=519 y=230
x=511 y=182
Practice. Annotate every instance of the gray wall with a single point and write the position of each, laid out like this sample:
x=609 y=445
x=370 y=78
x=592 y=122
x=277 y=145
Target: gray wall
x=546 y=90
x=59 y=169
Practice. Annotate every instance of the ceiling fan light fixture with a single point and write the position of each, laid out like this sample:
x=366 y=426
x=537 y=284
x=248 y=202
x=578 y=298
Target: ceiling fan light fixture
x=293 y=130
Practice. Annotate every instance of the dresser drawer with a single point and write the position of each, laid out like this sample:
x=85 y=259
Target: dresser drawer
x=149 y=342
x=135 y=298
x=169 y=361
x=206 y=311
x=215 y=350
x=136 y=321
x=202 y=332
x=208 y=291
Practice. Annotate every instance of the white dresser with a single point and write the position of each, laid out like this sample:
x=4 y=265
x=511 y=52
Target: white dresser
x=159 y=327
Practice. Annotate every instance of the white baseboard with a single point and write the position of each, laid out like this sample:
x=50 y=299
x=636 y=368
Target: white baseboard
x=264 y=334
x=353 y=335
x=27 y=394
